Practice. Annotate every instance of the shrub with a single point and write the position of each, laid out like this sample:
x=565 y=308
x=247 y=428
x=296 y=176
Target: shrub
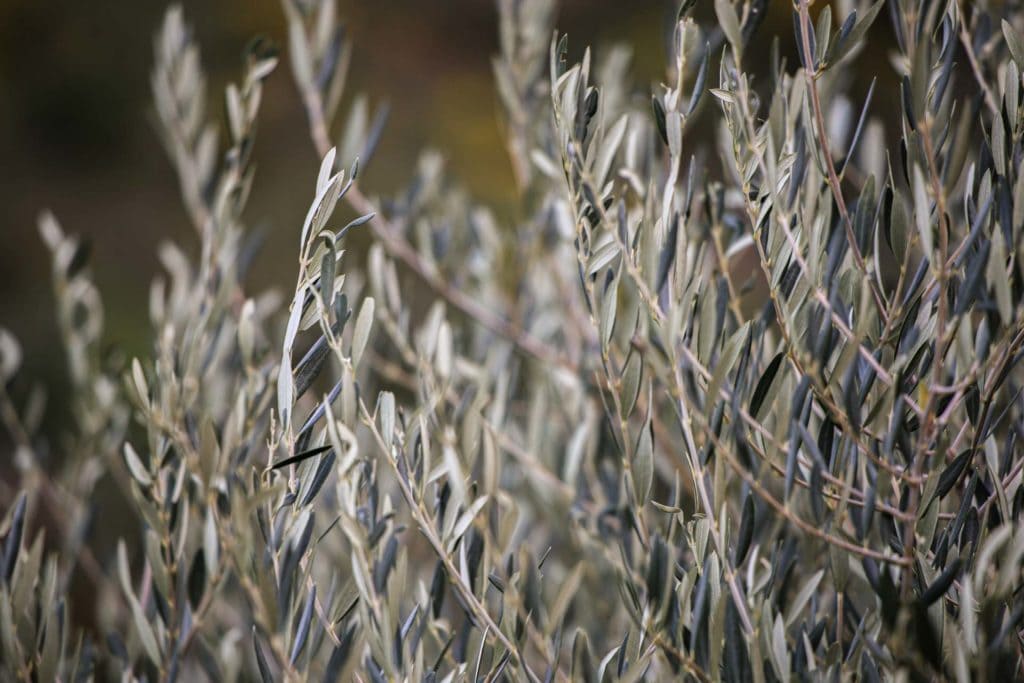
x=748 y=420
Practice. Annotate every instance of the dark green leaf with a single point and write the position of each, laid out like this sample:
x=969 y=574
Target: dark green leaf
x=941 y=583
x=746 y=533
x=951 y=475
x=765 y=383
x=299 y=457
x=261 y=660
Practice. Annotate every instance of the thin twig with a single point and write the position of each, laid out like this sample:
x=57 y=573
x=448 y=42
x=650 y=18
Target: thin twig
x=833 y=178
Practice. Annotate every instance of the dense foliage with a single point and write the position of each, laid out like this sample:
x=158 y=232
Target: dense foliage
x=736 y=397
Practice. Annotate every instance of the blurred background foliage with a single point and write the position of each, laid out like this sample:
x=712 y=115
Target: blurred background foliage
x=77 y=135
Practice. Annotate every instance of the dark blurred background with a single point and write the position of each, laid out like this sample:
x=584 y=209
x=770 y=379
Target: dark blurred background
x=76 y=132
